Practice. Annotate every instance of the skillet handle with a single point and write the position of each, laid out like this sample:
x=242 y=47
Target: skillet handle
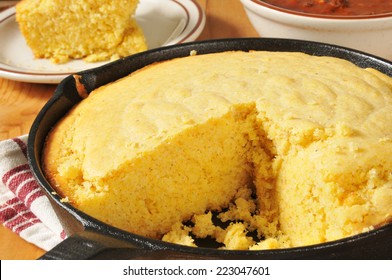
x=75 y=247
x=84 y=245
x=91 y=245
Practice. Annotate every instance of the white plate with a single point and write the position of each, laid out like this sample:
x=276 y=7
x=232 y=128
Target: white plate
x=164 y=22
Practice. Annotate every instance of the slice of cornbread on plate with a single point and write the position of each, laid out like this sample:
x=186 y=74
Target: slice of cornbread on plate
x=87 y=29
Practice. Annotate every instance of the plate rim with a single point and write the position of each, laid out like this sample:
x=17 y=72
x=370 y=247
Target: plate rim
x=195 y=22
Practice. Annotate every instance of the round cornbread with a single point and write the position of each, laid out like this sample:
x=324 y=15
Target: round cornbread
x=310 y=136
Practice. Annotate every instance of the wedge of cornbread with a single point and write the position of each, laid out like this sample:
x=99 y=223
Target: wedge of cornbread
x=87 y=29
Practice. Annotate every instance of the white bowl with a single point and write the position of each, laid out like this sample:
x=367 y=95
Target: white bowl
x=371 y=34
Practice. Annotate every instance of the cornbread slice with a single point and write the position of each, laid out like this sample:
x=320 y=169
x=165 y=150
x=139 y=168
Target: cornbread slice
x=87 y=29
x=310 y=136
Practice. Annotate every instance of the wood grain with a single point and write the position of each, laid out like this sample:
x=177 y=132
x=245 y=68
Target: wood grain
x=20 y=102
x=12 y=247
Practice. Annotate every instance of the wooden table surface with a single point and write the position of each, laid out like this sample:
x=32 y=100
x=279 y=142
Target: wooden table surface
x=20 y=102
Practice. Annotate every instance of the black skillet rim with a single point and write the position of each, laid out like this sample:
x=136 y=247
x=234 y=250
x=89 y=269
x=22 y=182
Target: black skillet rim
x=96 y=77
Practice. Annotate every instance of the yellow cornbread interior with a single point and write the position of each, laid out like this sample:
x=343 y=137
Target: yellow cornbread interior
x=295 y=147
x=73 y=29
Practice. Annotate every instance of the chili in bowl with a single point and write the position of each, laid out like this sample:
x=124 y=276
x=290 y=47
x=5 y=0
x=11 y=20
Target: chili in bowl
x=338 y=8
x=359 y=24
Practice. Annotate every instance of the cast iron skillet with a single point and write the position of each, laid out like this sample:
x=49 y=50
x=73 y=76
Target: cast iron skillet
x=92 y=239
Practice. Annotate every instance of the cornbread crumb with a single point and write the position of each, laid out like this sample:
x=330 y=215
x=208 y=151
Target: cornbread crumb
x=64 y=200
x=269 y=243
x=257 y=150
x=203 y=226
x=236 y=238
x=179 y=235
x=73 y=29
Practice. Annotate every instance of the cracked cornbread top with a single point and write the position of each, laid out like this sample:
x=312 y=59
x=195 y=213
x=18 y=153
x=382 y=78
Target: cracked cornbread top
x=309 y=136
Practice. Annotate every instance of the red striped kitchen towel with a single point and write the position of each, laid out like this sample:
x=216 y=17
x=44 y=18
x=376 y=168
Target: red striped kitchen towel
x=23 y=206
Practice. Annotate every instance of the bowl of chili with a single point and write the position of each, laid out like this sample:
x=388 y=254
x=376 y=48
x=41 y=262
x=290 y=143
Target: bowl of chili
x=359 y=24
